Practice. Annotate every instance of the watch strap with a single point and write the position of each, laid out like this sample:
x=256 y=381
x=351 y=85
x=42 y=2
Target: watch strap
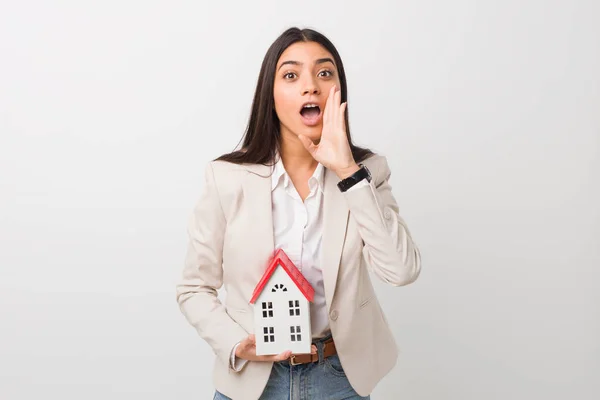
x=347 y=183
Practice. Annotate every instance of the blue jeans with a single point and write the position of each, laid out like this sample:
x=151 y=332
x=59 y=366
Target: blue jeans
x=322 y=380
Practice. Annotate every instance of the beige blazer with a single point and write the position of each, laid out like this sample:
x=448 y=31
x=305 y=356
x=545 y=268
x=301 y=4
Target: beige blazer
x=231 y=241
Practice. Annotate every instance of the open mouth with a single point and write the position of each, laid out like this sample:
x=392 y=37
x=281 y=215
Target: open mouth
x=311 y=114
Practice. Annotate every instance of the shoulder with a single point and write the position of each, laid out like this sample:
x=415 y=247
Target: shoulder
x=226 y=170
x=230 y=177
x=225 y=181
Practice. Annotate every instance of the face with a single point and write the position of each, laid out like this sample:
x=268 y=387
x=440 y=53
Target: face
x=304 y=75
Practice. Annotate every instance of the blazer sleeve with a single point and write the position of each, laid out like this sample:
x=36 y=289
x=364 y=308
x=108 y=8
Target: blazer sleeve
x=389 y=249
x=203 y=274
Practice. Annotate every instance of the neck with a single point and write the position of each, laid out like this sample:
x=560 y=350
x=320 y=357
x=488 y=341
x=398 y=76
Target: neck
x=294 y=155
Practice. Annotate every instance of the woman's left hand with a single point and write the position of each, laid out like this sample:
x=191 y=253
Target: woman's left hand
x=333 y=150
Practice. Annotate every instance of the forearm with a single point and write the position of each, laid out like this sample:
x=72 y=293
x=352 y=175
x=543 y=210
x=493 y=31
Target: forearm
x=203 y=274
x=389 y=248
x=203 y=310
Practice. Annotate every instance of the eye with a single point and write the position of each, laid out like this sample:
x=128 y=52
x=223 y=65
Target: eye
x=289 y=75
x=326 y=72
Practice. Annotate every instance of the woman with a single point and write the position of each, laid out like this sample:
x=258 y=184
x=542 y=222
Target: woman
x=300 y=184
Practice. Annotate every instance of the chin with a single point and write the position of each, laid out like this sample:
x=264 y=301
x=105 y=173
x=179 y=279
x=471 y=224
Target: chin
x=313 y=133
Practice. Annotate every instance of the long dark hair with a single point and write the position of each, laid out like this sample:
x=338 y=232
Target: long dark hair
x=262 y=139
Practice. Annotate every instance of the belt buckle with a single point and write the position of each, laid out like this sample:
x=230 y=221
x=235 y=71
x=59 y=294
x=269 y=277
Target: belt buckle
x=293 y=360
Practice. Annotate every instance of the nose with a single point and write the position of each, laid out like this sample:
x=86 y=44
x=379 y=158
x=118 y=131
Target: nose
x=310 y=87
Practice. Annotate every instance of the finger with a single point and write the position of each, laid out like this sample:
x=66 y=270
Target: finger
x=335 y=106
x=278 y=357
x=337 y=97
x=328 y=106
x=308 y=144
x=342 y=117
x=313 y=349
x=283 y=356
x=327 y=120
x=251 y=339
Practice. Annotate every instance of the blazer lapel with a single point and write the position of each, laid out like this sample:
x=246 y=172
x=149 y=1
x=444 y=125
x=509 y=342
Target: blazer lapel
x=335 y=221
x=257 y=192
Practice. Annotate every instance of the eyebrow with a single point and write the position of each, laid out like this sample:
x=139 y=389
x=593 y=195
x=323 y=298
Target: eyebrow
x=319 y=61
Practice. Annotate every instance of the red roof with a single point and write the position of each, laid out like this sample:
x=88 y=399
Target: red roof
x=281 y=259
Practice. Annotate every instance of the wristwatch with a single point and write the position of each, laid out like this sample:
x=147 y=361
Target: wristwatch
x=362 y=173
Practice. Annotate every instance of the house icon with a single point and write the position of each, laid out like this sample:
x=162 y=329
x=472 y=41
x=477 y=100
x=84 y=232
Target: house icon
x=281 y=308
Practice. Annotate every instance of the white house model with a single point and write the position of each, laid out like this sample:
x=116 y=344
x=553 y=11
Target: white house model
x=281 y=309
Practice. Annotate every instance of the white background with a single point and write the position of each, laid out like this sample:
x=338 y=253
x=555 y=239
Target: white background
x=489 y=114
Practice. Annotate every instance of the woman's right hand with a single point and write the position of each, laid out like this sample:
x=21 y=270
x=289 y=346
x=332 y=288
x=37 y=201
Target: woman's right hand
x=247 y=351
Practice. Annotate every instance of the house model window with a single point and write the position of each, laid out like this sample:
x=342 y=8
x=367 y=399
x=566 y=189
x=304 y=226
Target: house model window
x=294 y=307
x=295 y=330
x=269 y=334
x=281 y=302
x=279 y=287
x=267 y=308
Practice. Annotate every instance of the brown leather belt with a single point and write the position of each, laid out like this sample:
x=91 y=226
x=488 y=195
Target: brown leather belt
x=328 y=350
